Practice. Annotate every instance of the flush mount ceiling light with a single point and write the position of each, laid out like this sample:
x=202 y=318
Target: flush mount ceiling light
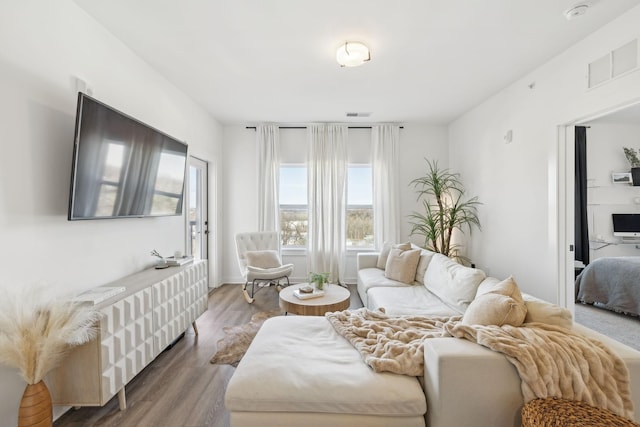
x=353 y=54
x=575 y=11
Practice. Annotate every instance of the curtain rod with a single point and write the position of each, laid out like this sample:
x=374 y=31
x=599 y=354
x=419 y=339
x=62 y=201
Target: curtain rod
x=304 y=127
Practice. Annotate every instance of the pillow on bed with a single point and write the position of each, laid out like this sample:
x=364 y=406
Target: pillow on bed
x=500 y=305
x=263 y=259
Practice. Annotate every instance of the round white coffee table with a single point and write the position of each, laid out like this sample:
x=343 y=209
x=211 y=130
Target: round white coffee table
x=335 y=298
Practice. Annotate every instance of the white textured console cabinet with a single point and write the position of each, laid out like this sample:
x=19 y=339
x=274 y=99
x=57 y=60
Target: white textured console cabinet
x=138 y=324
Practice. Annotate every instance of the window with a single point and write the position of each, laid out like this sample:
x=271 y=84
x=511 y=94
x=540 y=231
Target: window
x=359 y=207
x=294 y=213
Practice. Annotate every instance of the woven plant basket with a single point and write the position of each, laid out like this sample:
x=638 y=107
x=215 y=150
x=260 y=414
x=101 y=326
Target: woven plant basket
x=555 y=412
x=35 y=407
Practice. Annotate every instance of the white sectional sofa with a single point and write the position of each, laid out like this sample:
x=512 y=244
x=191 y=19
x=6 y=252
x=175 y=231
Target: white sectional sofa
x=300 y=371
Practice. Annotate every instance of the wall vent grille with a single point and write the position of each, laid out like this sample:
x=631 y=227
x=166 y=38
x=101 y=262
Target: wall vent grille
x=612 y=65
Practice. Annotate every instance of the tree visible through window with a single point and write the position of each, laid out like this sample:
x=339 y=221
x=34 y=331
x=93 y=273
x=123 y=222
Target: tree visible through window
x=359 y=206
x=294 y=213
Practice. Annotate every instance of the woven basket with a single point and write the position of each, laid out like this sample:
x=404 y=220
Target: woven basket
x=555 y=412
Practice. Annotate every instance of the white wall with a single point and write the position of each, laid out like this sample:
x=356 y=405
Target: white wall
x=417 y=142
x=517 y=181
x=605 y=156
x=44 y=45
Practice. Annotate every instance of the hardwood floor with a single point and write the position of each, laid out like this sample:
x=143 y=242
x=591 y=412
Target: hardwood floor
x=180 y=387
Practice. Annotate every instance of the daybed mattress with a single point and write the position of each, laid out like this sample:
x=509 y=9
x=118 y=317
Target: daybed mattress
x=321 y=388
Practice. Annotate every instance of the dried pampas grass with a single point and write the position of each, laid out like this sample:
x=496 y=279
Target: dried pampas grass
x=37 y=328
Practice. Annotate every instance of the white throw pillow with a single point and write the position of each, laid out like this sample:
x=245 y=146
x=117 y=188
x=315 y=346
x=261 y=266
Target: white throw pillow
x=386 y=248
x=502 y=305
x=263 y=259
x=545 y=312
x=401 y=265
x=423 y=264
x=453 y=283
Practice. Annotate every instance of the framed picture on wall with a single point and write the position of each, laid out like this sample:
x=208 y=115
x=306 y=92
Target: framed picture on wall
x=621 y=178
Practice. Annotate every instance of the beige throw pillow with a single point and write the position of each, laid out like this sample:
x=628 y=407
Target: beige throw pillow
x=384 y=252
x=502 y=305
x=263 y=259
x=545 y=312
x=401 y=265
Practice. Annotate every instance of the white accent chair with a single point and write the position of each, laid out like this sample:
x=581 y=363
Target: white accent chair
x=264 y=245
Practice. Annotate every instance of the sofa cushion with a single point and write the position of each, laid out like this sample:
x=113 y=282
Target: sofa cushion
x=408 y=300
x=546 y=312
x=423 y=264
x=373 y=277
x=263 y=259
x=501 y=305
x=301 y=364
x=454 y=283
x=386 y=249
x=537 y=310
x=402 y=264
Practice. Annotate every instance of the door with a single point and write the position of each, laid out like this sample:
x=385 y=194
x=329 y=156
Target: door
x=197 y=214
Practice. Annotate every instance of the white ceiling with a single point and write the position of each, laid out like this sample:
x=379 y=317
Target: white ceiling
x=252 y=61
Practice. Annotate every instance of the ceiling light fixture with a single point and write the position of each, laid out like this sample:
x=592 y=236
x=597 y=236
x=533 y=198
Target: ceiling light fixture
x=353 y=54
x=575 y=11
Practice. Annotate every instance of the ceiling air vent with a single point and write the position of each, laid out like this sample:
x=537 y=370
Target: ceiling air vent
x=358 y=114
x=613 y=64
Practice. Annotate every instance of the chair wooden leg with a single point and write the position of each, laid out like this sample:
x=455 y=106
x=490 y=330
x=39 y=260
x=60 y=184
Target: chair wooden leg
x=246 y=296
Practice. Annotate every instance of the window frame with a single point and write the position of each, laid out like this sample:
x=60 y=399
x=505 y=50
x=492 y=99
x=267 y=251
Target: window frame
x=348 y=207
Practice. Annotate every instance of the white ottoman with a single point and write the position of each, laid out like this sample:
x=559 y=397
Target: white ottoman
x=300 y=371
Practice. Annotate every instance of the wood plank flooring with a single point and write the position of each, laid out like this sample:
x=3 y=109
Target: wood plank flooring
x=180 y=387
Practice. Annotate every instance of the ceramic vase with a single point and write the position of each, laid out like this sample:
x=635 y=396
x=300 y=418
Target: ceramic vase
x=35 y=406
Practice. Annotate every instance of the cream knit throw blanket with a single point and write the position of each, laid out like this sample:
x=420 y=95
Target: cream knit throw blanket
x=551 y=361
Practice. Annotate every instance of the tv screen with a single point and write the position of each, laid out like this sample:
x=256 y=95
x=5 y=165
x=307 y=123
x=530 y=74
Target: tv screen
x=123 y=168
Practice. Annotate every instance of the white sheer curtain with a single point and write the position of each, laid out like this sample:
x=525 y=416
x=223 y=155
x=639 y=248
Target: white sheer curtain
x=327 y=180
x=268 y=177
x=386 y=201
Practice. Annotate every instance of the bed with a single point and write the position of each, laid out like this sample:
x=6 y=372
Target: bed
x=612 y=283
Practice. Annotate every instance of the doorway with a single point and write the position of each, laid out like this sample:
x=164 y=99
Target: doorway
x=197 y=212
x=629 y=113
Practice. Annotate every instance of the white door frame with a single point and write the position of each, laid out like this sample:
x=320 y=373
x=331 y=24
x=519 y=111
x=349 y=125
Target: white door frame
x=566 y=216
x=201 y=201
x=565 y=203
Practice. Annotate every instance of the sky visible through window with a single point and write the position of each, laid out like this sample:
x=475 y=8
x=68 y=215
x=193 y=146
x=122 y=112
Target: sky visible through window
x=293 y=185
x=359 y=188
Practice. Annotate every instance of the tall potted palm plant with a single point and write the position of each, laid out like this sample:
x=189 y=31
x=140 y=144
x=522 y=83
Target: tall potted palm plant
x=444 y=210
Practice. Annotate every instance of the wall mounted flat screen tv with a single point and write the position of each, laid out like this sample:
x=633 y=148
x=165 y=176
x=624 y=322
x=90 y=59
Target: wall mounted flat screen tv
x=123 y=168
